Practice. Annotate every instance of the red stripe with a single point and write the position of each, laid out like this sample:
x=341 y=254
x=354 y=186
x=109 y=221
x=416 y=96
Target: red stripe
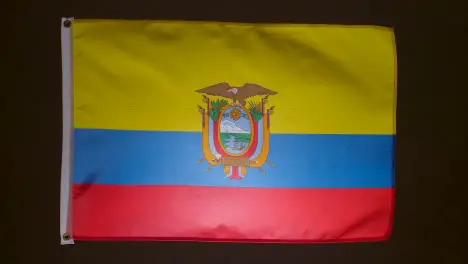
x=106 y=212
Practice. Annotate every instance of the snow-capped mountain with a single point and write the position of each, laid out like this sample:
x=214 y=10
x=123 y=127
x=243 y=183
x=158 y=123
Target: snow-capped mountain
x=230 y=127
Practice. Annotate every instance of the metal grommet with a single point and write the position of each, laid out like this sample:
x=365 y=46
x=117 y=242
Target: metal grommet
x=67 y=23
x=66 y=237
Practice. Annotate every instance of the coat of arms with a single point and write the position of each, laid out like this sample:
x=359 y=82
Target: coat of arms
x=236 y=127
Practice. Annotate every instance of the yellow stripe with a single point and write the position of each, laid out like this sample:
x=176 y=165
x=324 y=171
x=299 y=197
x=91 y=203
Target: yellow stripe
x=142 y=75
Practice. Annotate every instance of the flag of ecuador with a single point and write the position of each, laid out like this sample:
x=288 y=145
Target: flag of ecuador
x=211 y=131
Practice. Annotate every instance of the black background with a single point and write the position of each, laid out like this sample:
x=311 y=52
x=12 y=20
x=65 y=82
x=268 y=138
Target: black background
x=431 y=212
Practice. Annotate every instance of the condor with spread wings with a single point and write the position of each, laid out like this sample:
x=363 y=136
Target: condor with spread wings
x=237 y=94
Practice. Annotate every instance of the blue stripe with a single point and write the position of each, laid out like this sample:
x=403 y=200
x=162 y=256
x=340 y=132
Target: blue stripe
x=170 y=158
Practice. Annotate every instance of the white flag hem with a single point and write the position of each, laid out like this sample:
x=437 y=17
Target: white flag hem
x=66 y=232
